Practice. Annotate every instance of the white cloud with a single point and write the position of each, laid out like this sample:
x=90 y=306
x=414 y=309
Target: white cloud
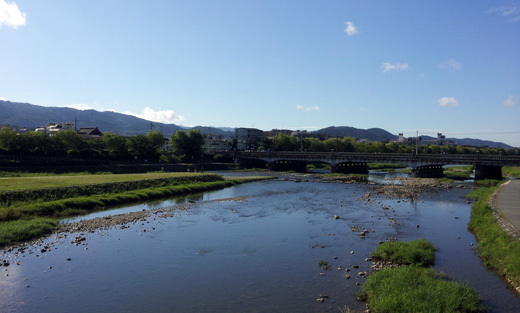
x=446 y=101
x=80 y=106
x=3 y=99
x=398 y=66
x=166 y=117
x=510 y=12
x=351 y=29
x=308 y=109
x=10 y=15
x=450 y=65
x=510 y=101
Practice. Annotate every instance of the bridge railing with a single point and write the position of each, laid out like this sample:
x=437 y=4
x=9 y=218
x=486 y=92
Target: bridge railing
x=404 y=157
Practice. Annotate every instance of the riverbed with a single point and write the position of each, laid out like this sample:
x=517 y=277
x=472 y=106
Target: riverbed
x=255 y=247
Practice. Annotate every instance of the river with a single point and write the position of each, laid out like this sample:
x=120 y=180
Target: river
x=255 y=247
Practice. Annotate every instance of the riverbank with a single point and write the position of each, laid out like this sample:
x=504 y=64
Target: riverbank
x=498 y=248
x=32 y=212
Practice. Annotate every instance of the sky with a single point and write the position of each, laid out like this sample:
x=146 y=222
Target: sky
x=406 y=66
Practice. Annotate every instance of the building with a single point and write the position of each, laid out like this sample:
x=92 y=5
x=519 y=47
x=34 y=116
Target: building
x=248 y=138
x=90 y=132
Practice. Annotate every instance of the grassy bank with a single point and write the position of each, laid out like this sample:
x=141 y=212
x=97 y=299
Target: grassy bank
x=511 y=171
x=458 y=172
x=497 y=248
x=34 y=216
x=412 y=287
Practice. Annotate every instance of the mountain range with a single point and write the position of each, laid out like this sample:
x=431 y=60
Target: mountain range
x=26 y=115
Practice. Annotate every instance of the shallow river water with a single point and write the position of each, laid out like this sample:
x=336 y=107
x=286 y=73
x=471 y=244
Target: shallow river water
x=250 y=248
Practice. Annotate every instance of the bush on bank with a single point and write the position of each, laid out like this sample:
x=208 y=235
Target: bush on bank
x=497 y=248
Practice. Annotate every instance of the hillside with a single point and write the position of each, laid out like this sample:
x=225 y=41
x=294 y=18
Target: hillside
x=31 y=116
x=372 y=134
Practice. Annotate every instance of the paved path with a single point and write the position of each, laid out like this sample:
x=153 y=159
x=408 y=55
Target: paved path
x=508 y=202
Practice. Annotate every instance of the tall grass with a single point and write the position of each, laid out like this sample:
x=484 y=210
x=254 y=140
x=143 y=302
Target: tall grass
x=415 y=289
x=418 y=252
x=22 y=230
x=497 y=248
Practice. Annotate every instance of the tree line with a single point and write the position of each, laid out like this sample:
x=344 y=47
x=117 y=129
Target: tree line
x=283 y=142
x=184 y=146
x=188 y=146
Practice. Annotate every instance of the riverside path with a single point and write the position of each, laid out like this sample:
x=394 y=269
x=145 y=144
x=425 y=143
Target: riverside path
x=508 y=202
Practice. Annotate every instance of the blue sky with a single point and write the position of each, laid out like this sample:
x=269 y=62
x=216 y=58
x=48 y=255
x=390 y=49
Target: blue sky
x=433 y=66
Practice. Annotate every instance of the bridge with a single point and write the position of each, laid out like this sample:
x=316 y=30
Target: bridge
x=423 y=165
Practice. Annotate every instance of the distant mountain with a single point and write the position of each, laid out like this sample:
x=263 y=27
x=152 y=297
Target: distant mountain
x=372 y=134
x=472 y=142
x=26 y=115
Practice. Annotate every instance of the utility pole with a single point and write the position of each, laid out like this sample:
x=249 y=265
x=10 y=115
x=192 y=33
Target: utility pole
x=417 y=144
x=151 y=126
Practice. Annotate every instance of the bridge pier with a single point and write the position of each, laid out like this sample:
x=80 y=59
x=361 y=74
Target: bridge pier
x=427 y=171
x=288 y=165
x=488 y=172
x=350 y=168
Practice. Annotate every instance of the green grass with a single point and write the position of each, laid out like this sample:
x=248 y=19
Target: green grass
x=416 y=289
x=511 y=171
x=414 y=286
x=418 y=252
x=40 y=182
x=458 y=172
x=22 y=230
x=497 y=248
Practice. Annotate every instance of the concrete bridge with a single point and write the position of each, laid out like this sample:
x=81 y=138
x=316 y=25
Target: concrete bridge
x=423 y=165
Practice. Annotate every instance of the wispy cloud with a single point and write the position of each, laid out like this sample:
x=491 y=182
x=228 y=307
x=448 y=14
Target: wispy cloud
x=167 y=116
x=510 y=101
x=10 y=15
x=450 y=66
x=510 y=12
x=386 y=67
x=447 y=101
x=308 y=109
x=351 y=29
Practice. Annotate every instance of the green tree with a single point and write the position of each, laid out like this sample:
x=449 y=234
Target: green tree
x=314 y=145
x=72 y=141
x=139 y=145
x=265 y=143
x=188 y=146
x=8 y=140
x=156 y=138
x=116 y=144
x=283 y=142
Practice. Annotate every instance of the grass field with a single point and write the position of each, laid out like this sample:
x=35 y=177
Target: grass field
x=40 y=182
